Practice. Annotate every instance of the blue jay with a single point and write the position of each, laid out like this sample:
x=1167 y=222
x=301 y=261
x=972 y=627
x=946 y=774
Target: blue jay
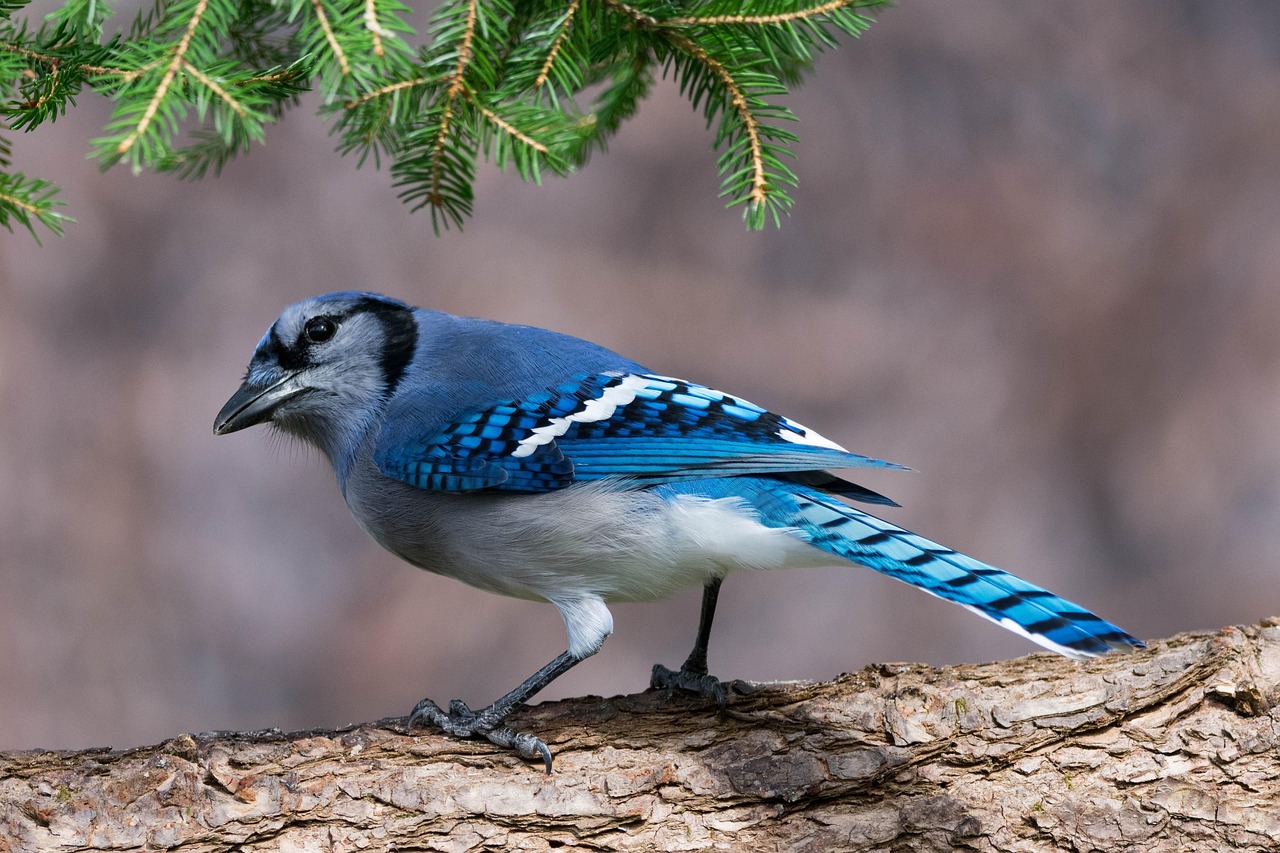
x=540 y=466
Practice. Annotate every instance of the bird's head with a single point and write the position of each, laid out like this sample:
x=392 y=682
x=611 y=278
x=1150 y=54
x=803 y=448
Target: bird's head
x=325 y=365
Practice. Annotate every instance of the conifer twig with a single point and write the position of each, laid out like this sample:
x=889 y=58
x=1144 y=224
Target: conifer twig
x=323 y=17
x=556 y=44
x=375 y=29
x=216 y=89
x=23 y=205
x=634 y=14
x=538 y=85
x=505 y=126
x=383 y=91
x=758 y=20
x=54 y=62
x=738 y=98
x=179 y=55
x=451 y=95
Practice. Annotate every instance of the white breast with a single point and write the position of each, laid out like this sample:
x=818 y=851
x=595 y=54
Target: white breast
x=577 y=547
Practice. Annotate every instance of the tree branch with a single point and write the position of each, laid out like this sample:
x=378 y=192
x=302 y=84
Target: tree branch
x=1169 y=749
x=557 y=43
x=323 y=18
x=170 y=73
x=741 y=104
x=758 y=20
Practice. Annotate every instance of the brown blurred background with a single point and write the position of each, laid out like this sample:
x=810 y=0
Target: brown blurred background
x=1034 y=256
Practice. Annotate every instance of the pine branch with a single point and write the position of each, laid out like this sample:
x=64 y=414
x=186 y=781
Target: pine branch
x=506 y=127
x=557 y=45
x=176 y=61
x=441 y=150
x=731 y=73
x=82 y=19
x=437 y=168
x=761 y=192
x=28 y=201
x=389 y=89
x=322 y=18
x=758 y=20
x=535 y=84
x=527 y=135
x=53 y=62
x=376 y=30
x=217 y=89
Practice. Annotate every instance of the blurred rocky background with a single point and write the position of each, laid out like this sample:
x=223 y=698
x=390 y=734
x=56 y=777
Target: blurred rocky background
x=1035 y=256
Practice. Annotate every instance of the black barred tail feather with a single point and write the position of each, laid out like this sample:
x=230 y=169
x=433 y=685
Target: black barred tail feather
x=1005 y=599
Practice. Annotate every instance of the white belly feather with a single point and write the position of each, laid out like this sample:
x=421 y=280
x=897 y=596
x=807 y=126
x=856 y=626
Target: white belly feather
x=578 y=547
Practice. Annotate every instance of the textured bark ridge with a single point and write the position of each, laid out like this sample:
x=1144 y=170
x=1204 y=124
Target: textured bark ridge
x=1173 y=748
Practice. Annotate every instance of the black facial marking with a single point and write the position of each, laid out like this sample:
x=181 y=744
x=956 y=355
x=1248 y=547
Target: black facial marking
x=289 y=358
x=401 y=332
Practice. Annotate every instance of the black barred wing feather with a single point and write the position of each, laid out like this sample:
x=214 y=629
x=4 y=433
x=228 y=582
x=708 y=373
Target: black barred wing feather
x=643 y=428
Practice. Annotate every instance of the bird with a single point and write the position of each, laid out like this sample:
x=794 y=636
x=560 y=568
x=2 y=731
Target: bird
x=541 y=466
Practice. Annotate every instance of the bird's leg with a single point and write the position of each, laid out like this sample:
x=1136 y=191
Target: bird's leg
x=461 y=721
x=693 y=675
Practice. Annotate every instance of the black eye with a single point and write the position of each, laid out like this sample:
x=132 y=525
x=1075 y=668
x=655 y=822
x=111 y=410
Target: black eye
x=319 y=329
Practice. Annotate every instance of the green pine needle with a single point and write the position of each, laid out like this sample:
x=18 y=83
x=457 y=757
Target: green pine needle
x=534 y=85
x=28 y=202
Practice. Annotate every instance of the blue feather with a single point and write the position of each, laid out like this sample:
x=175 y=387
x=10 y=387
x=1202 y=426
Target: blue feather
x=643 y=428
x=849 y=533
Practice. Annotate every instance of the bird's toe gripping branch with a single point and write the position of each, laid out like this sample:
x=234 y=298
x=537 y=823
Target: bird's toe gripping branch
x=461 y=722
x=692 y=676
x=700 y=683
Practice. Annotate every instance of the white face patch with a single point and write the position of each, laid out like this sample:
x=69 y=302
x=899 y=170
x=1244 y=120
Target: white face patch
x=599 y=409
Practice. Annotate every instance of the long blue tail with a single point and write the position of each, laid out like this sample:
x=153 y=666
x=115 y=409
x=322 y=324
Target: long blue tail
x=1005 y=599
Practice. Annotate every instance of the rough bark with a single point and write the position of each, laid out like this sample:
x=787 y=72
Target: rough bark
x=1169 y=749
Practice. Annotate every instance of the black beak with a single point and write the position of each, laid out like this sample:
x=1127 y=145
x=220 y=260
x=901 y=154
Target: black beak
x=253 y=404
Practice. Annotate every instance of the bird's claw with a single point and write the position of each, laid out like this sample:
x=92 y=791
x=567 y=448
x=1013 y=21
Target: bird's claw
x=525 y=745
x=697 y=682
x=461 y=722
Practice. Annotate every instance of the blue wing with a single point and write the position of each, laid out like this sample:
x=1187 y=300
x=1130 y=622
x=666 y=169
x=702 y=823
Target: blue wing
x=643 y=428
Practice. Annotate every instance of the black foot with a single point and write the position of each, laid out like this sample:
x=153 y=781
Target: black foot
x=462 y=722
x=697 y=682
